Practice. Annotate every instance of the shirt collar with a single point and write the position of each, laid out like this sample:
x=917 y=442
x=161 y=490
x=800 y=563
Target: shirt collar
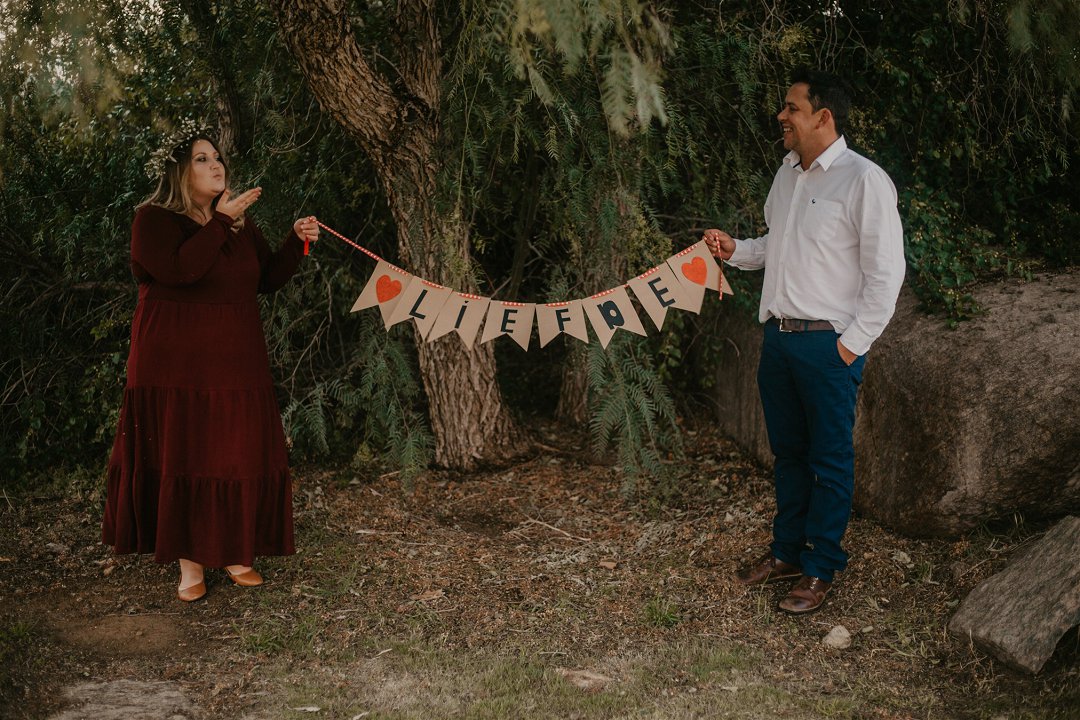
x=825 y=159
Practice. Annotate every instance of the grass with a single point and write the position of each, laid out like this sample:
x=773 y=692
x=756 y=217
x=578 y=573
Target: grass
x=423 y=681
x=661 y=612
x=17 y=638
x=298 y=635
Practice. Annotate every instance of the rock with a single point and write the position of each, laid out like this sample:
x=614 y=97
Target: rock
x=958 y=427
x=958 y=569
x=839 y=638
x=954 y=427
x=128 y=700
x=902 y=559
x=1020 y=614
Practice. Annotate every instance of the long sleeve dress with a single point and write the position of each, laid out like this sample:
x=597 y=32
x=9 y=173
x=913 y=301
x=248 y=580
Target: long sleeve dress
x=199 y=468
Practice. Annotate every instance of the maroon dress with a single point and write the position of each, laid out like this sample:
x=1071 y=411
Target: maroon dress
x=199 y=468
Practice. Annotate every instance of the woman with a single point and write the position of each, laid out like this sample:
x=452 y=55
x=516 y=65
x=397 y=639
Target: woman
x=199 y=471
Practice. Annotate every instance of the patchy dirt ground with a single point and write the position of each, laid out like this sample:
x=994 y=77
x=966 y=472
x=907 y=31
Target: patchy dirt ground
x=539 y=590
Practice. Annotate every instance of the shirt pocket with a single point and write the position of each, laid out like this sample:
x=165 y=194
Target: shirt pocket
x=822 y=219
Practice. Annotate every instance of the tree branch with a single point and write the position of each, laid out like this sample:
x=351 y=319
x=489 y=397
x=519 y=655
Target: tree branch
x=319 y=35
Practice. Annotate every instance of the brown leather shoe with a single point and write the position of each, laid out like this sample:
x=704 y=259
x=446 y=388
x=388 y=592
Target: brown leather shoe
x=807 y=595
x=192 y=593
x=767 y=569
x=250 y=578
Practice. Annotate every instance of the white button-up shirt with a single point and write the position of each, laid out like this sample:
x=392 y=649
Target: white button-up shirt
x=835 y=248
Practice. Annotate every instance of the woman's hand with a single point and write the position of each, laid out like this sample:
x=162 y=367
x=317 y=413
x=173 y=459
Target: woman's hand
x=307 y=229
x=234 y=207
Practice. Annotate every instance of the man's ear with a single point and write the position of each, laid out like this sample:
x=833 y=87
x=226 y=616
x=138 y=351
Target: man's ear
x=827 y=120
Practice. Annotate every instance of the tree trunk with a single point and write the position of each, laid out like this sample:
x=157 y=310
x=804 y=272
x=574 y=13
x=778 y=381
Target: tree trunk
x=468 y=418
x=234 y=136
x=573 y=407
x=397 y=124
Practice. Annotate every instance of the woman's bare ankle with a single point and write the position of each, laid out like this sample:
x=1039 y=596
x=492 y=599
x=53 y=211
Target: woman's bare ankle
x=191 y=573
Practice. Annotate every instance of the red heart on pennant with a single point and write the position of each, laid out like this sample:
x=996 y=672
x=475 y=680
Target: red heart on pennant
x=387 y=289
x=695 y=271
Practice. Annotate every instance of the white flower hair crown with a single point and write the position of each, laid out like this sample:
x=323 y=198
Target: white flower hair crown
x=185 y=131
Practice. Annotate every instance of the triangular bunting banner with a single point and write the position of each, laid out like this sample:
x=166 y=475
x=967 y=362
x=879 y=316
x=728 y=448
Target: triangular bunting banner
x=509 y=318
x=566 y=317
x=420 y=301
x=612 y=310
x=679 y=282
x=384 y=288
x=657 y=290
x=462 y=313
x=697 y=270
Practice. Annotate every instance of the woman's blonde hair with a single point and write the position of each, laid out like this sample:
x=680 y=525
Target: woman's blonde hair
x=173 y=192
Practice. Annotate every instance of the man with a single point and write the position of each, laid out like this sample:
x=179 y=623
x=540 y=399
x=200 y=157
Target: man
x=834 y=262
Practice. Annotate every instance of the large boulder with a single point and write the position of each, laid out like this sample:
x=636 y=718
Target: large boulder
x=957 y=427
x=954 y=427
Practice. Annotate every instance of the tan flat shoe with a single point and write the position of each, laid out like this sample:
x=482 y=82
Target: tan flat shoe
x=245 y=579
x=192 y=593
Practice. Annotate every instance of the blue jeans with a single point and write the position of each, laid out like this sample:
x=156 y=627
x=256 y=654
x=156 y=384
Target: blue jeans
x=808 y=394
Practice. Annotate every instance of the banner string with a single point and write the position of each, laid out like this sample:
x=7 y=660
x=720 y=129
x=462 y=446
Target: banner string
x=376 y=258
x=338 y=235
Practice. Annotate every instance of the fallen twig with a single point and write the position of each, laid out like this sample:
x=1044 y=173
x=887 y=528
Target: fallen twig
x=533 y=521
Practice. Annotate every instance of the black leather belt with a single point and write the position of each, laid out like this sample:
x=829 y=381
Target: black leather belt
x=795 y=325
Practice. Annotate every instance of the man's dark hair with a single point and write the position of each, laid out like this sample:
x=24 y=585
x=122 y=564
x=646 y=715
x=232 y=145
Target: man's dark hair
x=826 y=91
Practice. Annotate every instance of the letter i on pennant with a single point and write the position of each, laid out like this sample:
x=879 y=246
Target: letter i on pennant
x=461 y=313
x=421 y=301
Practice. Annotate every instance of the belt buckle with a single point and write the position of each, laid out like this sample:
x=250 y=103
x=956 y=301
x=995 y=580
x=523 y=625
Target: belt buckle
x=782 y=329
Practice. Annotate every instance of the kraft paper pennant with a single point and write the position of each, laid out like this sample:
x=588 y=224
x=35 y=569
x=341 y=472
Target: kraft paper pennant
x=461 y=313
x=420 y=301
x=610 y=311
x=384 y=288
x=509 y=318
x=657 y=290
x=696 y=269
x=566 y=317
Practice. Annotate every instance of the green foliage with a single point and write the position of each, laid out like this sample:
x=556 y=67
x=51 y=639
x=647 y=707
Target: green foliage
x=580 y=143
x=80 y=121
x=390 y=392
x=631 y=408
x=945 y=251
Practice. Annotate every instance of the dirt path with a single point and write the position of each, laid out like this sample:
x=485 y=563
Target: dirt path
x=535 y=591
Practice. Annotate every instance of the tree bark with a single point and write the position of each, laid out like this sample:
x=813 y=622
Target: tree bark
x=573 y=407
x=397 y=124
